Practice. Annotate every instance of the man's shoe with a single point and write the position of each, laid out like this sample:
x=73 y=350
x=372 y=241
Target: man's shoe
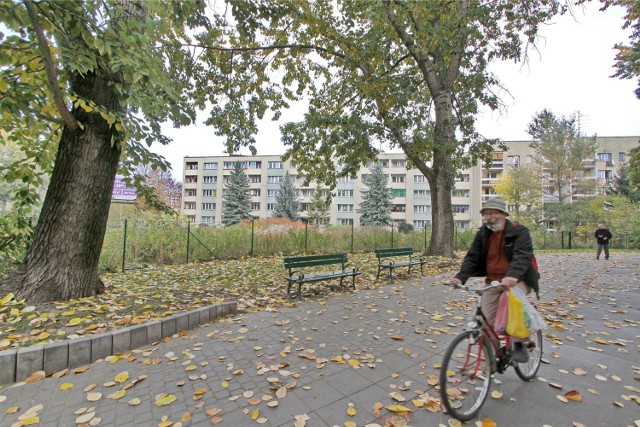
x=519 y=354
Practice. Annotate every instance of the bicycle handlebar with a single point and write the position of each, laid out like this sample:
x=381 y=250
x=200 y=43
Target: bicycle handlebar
x=479 y=291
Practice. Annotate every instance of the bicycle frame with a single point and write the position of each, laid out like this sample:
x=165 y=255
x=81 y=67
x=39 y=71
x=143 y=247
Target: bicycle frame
x=496 y=352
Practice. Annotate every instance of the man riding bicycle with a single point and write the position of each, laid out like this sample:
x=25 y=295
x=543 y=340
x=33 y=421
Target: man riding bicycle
x=501 y=251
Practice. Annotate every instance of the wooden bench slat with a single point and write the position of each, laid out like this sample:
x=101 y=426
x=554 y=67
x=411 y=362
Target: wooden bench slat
x=386 y=259
x=299 y=277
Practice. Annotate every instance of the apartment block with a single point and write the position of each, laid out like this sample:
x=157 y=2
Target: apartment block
x=206 y=177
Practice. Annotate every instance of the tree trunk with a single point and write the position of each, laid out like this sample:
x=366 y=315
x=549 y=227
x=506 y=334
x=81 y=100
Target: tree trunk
x=62 y=262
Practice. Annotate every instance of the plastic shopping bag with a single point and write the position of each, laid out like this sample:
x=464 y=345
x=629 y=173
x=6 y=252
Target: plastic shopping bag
x=535 y=321
x=516 y=320
x=500 y=324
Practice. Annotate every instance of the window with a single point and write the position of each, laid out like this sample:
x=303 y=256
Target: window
x=604 y=157
x=271 y=206
x=305 y=193
x=606 y=175
x=210 y=166
x=189 y=205
x=191 y=218
x=209 y=179
x=459 y=193
x=303 y=207
x=398 y=208
x=419 y=178
x=275 y=165
x=365 y=177
x=254 y=192
x=191 y=166
x=529 y=159
x=398 y=164
x=621 y=157
x=208 y=206
x=397 y=178
x=255 y=179
x=255 y=206
x=344 y=193
x=513 y=160
x=345 y=221
x=190 y=192
x=422 y=209
x=346 y=179
x=463 y=178
x=272 y=193
x=208 y=193
x=208 y=220
x=345 y=208
x=399 y=192
x=191 y=179
x=463 y=225
x=421 y=194
x=460 y=208
x=274 y=179
x=421 y=223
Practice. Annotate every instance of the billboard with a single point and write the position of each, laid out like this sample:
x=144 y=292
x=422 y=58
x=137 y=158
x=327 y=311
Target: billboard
x=121 y=192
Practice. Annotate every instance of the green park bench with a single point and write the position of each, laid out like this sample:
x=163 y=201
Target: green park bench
x=298 y=276
x=388 y=258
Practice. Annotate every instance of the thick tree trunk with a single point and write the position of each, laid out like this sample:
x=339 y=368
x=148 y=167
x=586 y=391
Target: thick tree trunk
x=441 y=180
x=62 y=262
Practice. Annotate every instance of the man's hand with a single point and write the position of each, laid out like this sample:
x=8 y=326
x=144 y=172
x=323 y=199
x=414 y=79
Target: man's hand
x=454 y=281
x=509 y=282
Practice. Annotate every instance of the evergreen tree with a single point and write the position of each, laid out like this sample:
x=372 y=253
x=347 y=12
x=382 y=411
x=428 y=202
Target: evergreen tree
x=376 y=206
x=287 y=204
x=236 y=205
x=621 y=185
x=319 y=208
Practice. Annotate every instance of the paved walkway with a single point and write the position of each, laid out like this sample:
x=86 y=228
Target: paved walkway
x=329 y=362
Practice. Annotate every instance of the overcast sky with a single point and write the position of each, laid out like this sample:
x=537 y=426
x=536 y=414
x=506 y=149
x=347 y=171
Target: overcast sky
x=569 y=75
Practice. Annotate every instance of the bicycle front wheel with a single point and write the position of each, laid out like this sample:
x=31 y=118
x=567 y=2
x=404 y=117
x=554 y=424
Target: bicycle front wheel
x=465 y=375
x=528 y=370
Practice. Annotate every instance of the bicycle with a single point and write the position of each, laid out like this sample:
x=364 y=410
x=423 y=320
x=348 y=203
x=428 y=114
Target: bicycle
x=474 y=356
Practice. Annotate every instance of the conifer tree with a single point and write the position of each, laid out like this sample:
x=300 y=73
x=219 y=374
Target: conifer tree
x=236 y=205
x=319 y=208
x=287 y=204
x=376 y=205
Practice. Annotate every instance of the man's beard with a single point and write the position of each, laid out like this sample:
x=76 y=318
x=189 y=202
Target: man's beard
x=495 y=225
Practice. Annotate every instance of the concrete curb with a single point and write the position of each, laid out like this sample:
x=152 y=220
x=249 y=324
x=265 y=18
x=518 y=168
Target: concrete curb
x=19 y=364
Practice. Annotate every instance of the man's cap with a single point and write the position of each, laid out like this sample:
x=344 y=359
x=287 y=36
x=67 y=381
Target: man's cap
x=496 y=204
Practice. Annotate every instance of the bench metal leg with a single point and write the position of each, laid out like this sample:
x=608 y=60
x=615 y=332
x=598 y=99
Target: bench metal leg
x=422 y=269
x=378 y=275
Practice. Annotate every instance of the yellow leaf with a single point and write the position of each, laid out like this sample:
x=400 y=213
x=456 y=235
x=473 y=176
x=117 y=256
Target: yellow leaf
x=164 y=399
x=12 y=410
x=122 y=377
x=94 y=397
x=6 y=298
x=117 y=395
x=488 y=422
x=43 y=335
x=573 y=395
x=496 y=394
x=255 y=414
x=417 y=403
x=353 y=362
x=66 y=386
x=601 y=341
x=224 y=384
x=191 y=368
x=350 y=424
x=29 y=421
x=398 y=409
x=186 y=417
x=3 y=86
x=75 y=321
x=351 y=411
x=134 y=402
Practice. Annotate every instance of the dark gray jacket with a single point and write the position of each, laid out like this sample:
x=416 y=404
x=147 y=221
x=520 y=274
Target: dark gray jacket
x=518 y=246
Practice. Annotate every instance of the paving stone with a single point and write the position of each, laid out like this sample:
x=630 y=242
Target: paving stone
x=121 y=340
x=79 y=352
x=139 y=336
x=56 y=357
x=29 y=360
x=8 y=363
x=168 y=326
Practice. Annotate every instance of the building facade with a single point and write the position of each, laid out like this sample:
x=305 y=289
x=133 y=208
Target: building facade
x=205 y=179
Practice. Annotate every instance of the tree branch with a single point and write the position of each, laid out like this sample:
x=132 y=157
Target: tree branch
x=52 y=76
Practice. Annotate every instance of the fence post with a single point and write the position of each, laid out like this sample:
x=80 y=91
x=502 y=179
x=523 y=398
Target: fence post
x=352 y=227
x=425 y=238
x=392 y=234
x=306 y=230
x=562 y=239
x=253 y=221
x=569 y=239
x=188 y=239
x=124 y=245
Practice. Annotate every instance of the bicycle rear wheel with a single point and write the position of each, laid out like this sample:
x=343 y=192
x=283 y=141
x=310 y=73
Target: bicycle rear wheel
x=465 y=375
x=528 y=370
